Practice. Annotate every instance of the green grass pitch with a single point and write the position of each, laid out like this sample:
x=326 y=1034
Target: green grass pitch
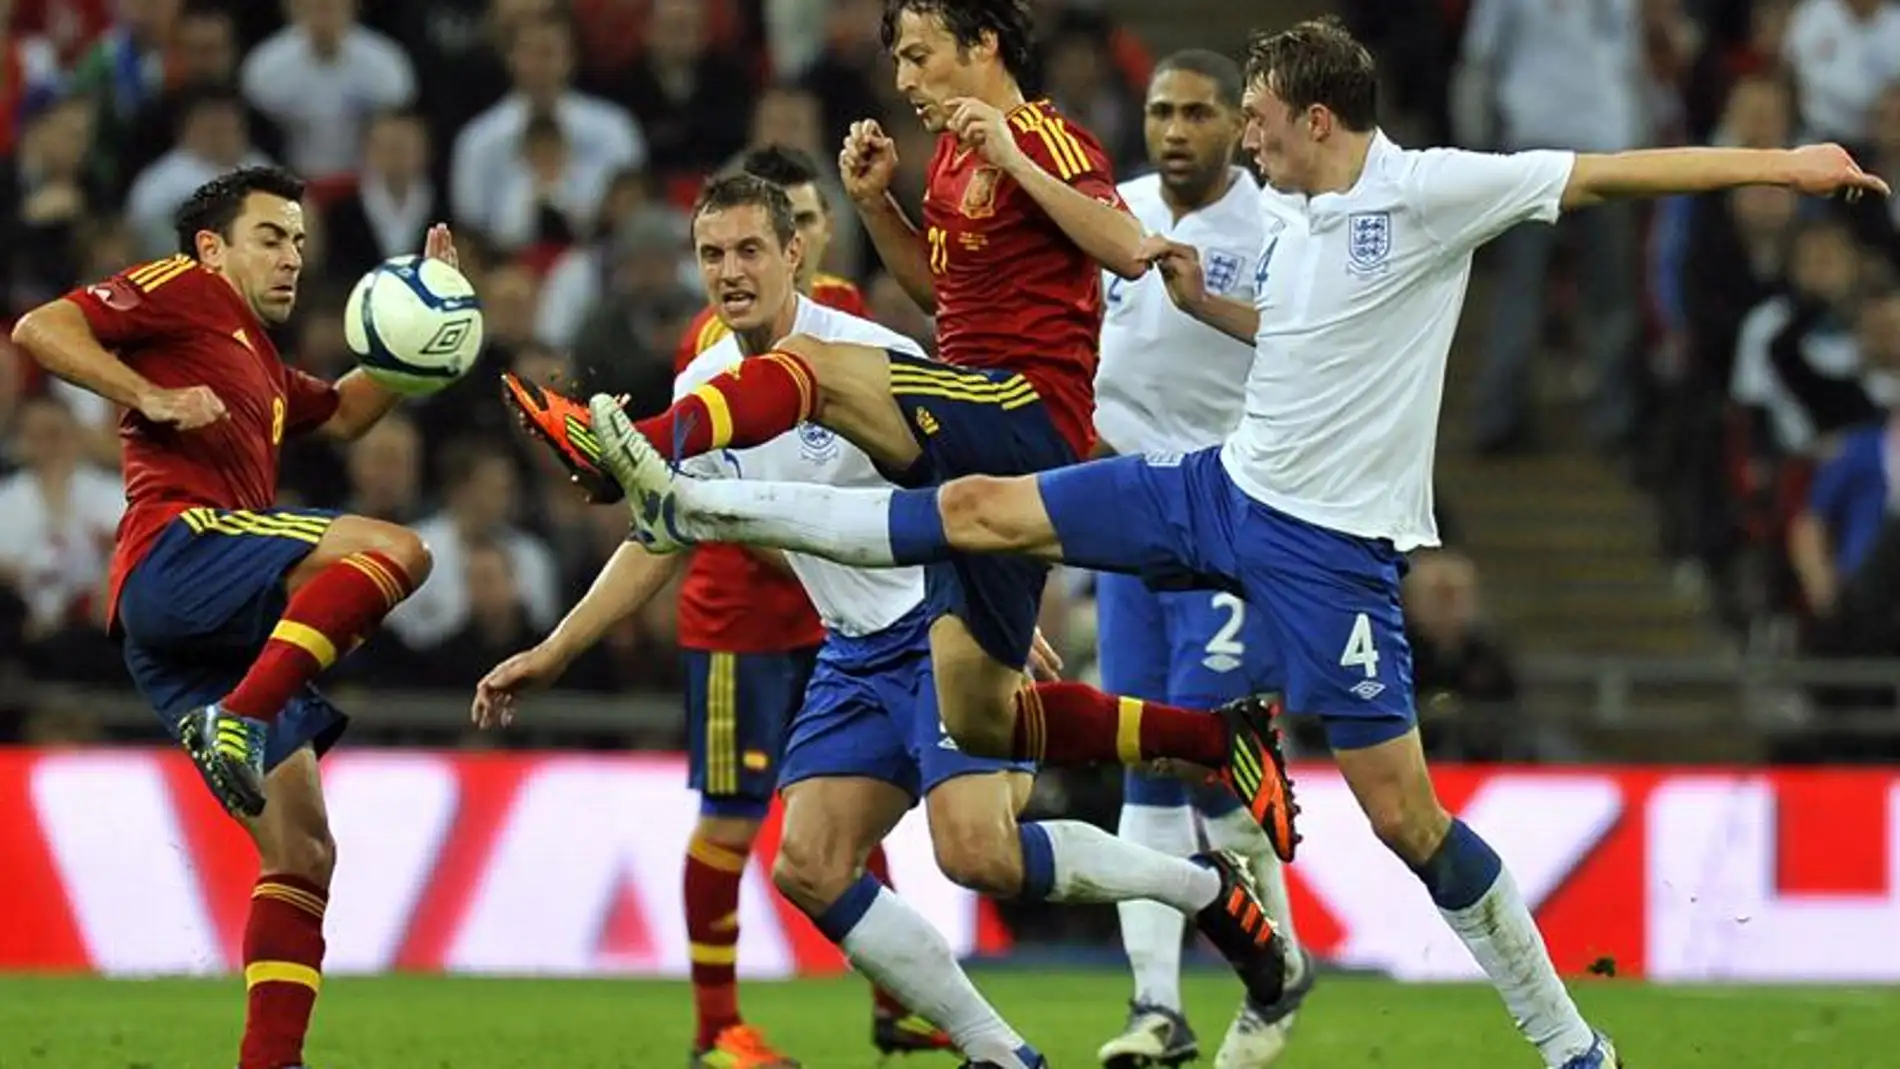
x=1351 y=1023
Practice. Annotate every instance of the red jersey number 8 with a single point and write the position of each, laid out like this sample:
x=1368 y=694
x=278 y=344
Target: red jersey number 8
x=276 y=420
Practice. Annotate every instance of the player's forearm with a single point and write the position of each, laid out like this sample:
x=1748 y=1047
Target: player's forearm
x=901 y=248
x=58 y=338
x=360 y=404
x=1663 y=172
x=628 y=581
x=1235 y=319
x=1109 y=235
x=1812 y=560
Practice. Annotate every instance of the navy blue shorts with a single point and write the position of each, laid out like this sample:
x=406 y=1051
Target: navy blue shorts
x=871 y=711
x=197 y=610
x=1329 y=601
x=738 y=709
x=975 y=422
x=1197 y=649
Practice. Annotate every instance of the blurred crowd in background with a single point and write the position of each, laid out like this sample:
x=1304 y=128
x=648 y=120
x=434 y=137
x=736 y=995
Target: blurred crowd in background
x=1735 y=354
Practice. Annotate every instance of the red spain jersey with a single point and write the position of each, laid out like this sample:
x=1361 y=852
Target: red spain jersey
x=1013 y=292
x=180 y=324
x=731 y=601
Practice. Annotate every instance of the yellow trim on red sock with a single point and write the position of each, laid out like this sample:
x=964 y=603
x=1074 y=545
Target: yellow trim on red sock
x=308 y=639
x=1128 y=731
x=713 y=953
x=715 y=856
x=282 y=972
x=294 y=896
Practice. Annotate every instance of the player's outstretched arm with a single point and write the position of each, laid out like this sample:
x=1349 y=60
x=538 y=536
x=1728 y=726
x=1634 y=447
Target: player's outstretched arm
x=1817 y=170
x=59 y=337
x=866 y=164
x=630 y=579
x=1100 y=227
x=1180 y=267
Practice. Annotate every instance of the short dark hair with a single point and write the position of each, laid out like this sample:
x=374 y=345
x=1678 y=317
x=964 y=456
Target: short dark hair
x=782 y=165
x=215 y=205
x=1318 y=62
x=967 y=20
x=743 y=190
x=1216 y=68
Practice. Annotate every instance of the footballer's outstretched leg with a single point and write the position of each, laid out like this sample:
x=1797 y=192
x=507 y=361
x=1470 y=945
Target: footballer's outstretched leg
x=1058 y=723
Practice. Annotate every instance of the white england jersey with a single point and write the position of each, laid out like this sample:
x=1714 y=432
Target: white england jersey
x=1359 y=294
x=1169 y=383
x=850 y=601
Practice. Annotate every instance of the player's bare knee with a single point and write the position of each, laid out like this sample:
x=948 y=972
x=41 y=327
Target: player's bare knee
x=985 y=514
x=811 y=872
x=1410 y=828
x=309 y=853
x=978 y=731
x=980 y=855
x=410 y=553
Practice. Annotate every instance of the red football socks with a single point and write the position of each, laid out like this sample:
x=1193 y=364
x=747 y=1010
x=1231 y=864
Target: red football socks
x=750 y=404
x=713 y=872
x=325 y=619
x=880 y=869
x=283 y=968
x=1075 y=724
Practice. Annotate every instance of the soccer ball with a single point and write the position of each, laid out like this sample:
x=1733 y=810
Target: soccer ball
x=414 y=324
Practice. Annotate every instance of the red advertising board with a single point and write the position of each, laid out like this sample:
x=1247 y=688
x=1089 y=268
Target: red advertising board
x=117 y=861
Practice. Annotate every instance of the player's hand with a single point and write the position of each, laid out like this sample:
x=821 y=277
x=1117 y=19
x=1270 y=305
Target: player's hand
x=983 y=128
x=1823 y=170
x=187 y=409
x=497 y=694
x=1045 y=664
x=1180 y=267
x=440 y=245
x=868 y=161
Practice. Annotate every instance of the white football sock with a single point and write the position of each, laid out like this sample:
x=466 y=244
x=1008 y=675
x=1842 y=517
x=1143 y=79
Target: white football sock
x=1502 y=936
x=1236 y=832
x=1094 y=866
x=1151 y=931
x=847 y=525
x=904 y=954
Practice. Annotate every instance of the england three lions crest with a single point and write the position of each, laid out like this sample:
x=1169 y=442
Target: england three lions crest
x=1368 y=241
x=819 y=445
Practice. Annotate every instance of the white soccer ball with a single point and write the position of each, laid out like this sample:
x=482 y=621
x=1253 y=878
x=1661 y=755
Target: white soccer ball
x=414 y=324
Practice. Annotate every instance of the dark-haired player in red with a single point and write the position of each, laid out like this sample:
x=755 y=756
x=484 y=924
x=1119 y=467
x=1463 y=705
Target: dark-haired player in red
x=1020 y=215
x=748 y=638
x=227 y=606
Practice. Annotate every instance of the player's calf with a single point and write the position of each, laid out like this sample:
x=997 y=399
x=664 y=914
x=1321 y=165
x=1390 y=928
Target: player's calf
x=283 y=934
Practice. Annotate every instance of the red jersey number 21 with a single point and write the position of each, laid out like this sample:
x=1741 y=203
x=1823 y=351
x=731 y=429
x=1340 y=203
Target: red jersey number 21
x=939 y=250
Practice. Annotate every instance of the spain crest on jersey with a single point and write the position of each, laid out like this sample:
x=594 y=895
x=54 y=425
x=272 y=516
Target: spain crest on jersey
x=979 y=194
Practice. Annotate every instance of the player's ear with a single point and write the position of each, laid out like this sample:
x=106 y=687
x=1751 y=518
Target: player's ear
x=795 y=249
x=210 y=248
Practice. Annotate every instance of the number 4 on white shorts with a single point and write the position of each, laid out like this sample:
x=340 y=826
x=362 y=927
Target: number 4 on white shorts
x=1361 y=653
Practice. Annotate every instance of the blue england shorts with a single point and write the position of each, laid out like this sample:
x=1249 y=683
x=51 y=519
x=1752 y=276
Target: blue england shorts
x=738 y=709
x=1198 y=649
x=1329 y=601
x=871 y=711
x=197 y=610
x=976 y=422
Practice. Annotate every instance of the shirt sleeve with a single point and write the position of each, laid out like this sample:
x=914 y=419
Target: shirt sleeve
x=309 y=402
x=1465 y=199
x=140 y=305
x=1069 y=152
